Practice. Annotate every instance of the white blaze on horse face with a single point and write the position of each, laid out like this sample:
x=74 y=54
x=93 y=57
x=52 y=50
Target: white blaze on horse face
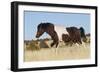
x=60 y=30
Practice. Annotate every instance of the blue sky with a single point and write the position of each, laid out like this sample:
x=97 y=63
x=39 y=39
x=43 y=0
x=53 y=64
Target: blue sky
x=32 y=19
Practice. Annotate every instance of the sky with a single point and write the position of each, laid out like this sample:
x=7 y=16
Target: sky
x=33 y=18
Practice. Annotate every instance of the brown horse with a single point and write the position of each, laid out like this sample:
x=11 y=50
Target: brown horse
x=59 y=33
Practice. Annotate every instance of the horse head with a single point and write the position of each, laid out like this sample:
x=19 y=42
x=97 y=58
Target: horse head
x=40 y=30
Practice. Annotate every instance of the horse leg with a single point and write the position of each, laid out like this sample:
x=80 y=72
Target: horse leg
x=57 y=44
x=79 y=41
x=52 y=44
x=56 y=49
x=70 y=43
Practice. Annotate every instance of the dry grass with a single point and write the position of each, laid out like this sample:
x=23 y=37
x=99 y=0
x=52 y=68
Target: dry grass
x=63 y=52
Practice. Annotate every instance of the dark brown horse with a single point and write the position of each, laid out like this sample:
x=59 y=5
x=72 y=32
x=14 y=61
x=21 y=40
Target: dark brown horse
x=76 y=35
x=58 y=33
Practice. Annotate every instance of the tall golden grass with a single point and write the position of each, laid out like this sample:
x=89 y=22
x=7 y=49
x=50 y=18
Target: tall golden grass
x=35 y=52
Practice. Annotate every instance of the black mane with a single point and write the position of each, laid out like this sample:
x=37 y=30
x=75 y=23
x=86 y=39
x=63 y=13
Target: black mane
x=45 y=25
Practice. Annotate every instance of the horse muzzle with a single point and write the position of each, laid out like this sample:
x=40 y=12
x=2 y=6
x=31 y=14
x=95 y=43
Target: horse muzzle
x=37 y=35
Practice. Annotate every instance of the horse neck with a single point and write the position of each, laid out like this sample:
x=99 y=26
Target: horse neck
x=53 y=34
x=50 y=33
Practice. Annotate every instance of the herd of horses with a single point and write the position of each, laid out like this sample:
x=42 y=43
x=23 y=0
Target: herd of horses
x=59 y=33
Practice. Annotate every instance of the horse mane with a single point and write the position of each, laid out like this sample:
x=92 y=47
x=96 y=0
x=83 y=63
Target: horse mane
x=45 y=25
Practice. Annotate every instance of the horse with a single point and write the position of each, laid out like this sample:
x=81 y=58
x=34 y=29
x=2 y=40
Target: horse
x=59 y=33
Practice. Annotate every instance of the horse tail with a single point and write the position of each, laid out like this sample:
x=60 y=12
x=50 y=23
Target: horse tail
x=82 y=32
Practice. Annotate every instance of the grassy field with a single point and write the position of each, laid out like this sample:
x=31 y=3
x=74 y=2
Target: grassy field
x=63 y=52
x=60 y=53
